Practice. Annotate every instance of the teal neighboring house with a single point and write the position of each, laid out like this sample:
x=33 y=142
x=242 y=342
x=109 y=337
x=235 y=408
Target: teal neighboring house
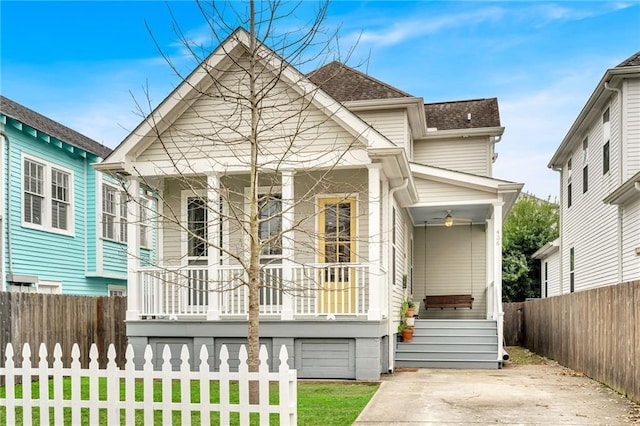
x=63 y=222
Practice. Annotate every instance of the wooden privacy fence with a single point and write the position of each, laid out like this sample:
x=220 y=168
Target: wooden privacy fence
x=52 y=318
x=596 y=332
x=114 y=396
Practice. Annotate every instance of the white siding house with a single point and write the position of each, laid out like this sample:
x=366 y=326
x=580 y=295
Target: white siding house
x=365 y=222
x=599 y=167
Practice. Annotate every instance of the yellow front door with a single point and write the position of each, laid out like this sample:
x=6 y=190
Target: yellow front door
x=337 y=229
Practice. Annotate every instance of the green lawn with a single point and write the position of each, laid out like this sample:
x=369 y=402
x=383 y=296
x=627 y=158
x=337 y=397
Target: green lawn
x=319 y=403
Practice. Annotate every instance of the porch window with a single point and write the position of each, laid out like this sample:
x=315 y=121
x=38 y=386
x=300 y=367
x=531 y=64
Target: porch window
x=47 y=196
x=270 y=225
x=197 y=249
x=196 y=227
x=144 y=222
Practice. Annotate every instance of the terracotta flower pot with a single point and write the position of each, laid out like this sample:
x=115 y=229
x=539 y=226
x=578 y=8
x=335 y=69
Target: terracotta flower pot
x=407 y=335
x=410 y=312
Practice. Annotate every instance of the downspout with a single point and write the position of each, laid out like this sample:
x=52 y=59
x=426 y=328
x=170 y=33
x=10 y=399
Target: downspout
x=8 y=221
x=621 y=174
x=390 y=327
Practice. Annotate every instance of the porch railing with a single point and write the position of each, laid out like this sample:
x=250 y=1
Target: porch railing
x=310 y=289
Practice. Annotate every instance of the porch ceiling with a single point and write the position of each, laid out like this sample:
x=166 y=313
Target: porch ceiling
x=434 y=215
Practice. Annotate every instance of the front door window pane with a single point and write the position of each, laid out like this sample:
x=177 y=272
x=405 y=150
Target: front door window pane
x=196 y=227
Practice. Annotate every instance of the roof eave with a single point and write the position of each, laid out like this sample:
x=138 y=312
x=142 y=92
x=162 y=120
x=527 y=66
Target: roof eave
x=598 y=96
x=547 y=249
x=395 y=158
x=628 y=190
x=454 y=133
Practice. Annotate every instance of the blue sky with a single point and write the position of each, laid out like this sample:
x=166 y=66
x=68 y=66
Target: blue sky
x=81 y=63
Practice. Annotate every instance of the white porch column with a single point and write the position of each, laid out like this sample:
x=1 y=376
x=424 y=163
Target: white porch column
x=133 y=250
x=490 y=268
x=375 y=242
x=497 y=253
x=213 y=253
x=497 y=273
x=287 y=243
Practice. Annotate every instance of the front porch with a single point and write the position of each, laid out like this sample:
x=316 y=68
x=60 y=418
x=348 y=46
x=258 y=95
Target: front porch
x=288 y=291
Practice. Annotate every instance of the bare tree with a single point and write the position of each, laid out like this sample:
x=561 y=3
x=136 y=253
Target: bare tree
x=252 y=119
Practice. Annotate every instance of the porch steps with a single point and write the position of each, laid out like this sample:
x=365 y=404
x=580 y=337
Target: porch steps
x=450 y=344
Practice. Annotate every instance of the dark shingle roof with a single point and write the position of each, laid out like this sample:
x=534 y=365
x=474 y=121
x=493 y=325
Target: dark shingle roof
x=52 y=128
x=633 y=61
x=454 y=115
x=345 y=84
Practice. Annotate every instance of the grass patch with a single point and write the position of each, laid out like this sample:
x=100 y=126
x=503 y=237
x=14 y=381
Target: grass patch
x=325 y=403
x=522 y=356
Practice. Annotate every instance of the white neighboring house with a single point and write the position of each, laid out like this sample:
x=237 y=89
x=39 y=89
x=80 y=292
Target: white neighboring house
x=599 y=165
x=413 y=198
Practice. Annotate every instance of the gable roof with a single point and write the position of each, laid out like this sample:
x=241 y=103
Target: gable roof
x=344 y=84
x=610 y=82
x=52 y=128
x=632 y=61
x=454 y=115
x=204 y=75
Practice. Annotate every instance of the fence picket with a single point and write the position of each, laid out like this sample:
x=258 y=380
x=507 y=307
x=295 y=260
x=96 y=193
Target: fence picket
x=205 y=388
x=263 y=378
x=93 y=409
x=58 y=396
x=43 y=376
x=113 y=387
x=129 y=386
x=185 y=386
x=166 y=386
x=147 y=386
x=9 y=367
x=75 y=385
x=94 y=396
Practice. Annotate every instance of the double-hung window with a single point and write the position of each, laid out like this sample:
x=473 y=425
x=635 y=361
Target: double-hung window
x=585 y=165
x=606 y=135
x=569 y=184
x=114 y=213
x=47 y=201
x=270 y=225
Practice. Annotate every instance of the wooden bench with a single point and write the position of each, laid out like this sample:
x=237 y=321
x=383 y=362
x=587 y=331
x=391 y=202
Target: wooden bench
x=449 y=301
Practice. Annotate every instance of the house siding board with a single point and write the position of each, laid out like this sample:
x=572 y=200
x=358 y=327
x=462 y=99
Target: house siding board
x=431 y=191
x=553 y=279
x=92 y=219
x=394 y=124
x=325 y=358
x=49 y=255
x=114 y=257
x=632 y=117
x=631 y=242
x=210 y=119
x=587 y=223
x=449 y=266
x=470 y=155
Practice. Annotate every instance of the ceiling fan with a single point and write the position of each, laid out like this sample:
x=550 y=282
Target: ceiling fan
x=449 y=219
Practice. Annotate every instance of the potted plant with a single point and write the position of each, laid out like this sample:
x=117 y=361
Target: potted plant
x=406 y=332
x=408 y=308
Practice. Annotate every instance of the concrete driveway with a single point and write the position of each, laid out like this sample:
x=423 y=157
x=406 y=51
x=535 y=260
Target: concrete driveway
x=516 y=394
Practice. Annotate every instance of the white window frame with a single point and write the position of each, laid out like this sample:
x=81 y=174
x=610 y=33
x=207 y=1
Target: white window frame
x=119 y=213
x=144 y=208
x=47 y=202
x=113 y=288
x=184 y=198
x=262 y=192
x=51 y=287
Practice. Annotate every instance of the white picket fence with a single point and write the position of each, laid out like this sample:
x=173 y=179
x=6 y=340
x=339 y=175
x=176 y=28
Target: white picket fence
x=112 y=390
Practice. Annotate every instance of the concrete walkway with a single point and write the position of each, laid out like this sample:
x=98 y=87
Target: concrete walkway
x=516 y=394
